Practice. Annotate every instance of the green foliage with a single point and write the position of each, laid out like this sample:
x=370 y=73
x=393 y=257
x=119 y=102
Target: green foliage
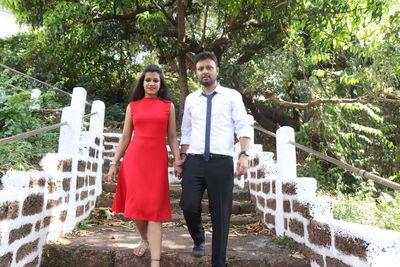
x=16 y=117
x=98 y=44
x=368 y=207
x=332 y=50
x=367 y=142
x=85 y=224
x=26 y=154
x=115 y=116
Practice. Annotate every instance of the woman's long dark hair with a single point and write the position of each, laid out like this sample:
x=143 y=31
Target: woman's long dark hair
x=138 y=91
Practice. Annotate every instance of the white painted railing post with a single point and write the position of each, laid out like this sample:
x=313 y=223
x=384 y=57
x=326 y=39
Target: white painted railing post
x=286 y=164
x=97 y=121
x=35 y=94
x=69 y=134
x=68 y=143
x=96 y=129
x=79 y=99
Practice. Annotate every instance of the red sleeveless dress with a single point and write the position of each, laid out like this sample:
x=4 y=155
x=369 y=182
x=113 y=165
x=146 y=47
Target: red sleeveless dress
x=143 y=188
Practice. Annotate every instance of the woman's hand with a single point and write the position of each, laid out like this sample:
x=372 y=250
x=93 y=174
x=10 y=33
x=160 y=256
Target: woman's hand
x=112 y=172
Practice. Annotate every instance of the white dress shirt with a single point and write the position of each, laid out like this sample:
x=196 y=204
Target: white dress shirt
x=228 y=117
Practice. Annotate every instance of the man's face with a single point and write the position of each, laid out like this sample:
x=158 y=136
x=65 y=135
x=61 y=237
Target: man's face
x=206 y=72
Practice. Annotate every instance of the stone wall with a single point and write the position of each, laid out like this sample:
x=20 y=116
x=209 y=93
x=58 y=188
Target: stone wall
x=38 y=206
x=308 y=220
x=111 y=139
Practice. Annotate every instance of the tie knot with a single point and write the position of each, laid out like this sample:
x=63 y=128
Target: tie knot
x=210 y=95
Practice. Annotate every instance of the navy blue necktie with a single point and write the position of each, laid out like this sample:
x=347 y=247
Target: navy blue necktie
x=208 y=125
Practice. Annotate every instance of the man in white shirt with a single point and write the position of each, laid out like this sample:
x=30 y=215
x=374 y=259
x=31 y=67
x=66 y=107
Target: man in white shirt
x=212 y=116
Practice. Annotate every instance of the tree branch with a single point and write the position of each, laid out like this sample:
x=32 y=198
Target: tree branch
x=312 y=103
x=396 y=97
x=168 y=16
x=109 y=16
x=283 y=3
x=268 y=117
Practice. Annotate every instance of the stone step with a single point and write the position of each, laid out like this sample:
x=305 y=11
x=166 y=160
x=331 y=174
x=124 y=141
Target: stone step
x=236 y=219
x=104 y=201
x=112 y=246
x=238 y=207
x=178 y=218
x=238 y=193
x=175 y=191
x=109 y=188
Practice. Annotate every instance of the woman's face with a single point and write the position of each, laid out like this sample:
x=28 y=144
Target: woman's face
x=151 y=84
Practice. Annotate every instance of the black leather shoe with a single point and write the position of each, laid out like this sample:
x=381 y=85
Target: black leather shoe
x=198 y=250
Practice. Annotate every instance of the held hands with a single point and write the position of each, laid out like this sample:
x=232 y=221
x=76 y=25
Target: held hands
x=242 y=165
x=178 y=170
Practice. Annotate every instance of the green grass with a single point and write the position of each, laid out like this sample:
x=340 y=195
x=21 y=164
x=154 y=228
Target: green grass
x=368 y=208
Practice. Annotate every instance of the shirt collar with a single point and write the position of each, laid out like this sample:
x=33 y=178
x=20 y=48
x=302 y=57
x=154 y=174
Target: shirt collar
x=218 y=89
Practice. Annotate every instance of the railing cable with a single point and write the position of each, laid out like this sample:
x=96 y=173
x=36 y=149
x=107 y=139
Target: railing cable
x=89 y=114
x=39 y=81
x=28 y=134
x=15 y=87
x=36 y=80
x=38 y=131
x=361 y=172
x=48 y=110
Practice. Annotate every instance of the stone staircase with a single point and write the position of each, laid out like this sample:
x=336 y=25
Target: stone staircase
x=243 y=210
x=107 y=239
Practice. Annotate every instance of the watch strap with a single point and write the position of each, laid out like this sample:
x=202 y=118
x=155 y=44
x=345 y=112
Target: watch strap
x=244 y=152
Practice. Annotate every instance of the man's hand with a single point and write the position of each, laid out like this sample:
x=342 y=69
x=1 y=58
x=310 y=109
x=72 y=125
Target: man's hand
x=242 y=165
x=178 y=170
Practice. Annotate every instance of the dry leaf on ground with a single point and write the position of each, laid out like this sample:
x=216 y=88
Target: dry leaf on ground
x=297 y=255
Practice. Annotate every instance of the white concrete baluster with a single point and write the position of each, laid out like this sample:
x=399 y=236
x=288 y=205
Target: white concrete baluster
x=286 y=164
x=35 y=94
x=96 y=130
x=69 y=144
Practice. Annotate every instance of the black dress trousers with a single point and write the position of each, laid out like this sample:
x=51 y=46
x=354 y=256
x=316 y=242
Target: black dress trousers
x=215 y=175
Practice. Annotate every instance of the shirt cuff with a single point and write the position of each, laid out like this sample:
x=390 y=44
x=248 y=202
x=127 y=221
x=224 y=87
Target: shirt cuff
x=245 y=133
x=185 y=140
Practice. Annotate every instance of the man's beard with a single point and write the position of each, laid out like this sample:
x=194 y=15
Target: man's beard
x=207 y=83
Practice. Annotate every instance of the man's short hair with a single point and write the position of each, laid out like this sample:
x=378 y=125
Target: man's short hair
x=205 y=55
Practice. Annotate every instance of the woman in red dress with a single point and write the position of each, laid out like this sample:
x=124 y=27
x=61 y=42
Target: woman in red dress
x=143 y=189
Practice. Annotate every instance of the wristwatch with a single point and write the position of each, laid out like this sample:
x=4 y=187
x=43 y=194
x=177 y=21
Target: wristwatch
x=244 y=152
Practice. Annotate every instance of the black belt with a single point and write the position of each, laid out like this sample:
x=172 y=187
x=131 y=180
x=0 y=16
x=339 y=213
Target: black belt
x=212 y=156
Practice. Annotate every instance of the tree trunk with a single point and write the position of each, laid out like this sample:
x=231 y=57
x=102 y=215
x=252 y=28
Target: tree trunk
x=267 y=117
x=182 y=58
